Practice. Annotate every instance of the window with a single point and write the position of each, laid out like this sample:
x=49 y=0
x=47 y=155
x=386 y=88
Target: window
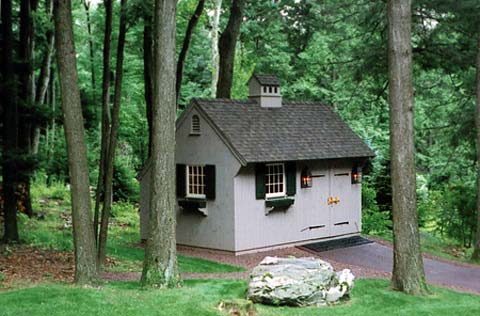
x=195 y=181
x=276 y=89
x=264 y=89
x=269 y=89
x=195 y=125
x=275 y=180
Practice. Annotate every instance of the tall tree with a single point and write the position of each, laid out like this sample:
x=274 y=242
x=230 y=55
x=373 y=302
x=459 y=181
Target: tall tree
x=26 y=99
x=117 y=100
x=45 y=74
x=84 y=242
x=215 y=22
x=186 y=44
x=9 y=124
x=476 y=250
x=147 y=71
x=86 y=6
x=99 y=194
x=160 y=263
x=408 y=274
x=226 y=47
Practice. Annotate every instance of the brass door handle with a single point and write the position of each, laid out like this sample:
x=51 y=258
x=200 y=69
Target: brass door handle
x=333 y=200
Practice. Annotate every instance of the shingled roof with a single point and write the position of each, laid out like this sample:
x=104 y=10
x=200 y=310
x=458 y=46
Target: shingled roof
x=295 y=131
x=267 y=80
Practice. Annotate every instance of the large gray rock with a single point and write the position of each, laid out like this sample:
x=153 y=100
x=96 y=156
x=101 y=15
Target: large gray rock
x=298 y=282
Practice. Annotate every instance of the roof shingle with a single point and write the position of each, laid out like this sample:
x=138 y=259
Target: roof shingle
x=295 y=131
x=267 y=80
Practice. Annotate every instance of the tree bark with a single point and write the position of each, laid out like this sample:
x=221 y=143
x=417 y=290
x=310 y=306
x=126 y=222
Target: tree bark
x=186 y=44
x=476 y=249
x=215 y=57
x=160 y=263
x=105 y=113
x=9 y=131
x=147 y=74
x=85 y=259
x=226 y=46
x=408 y=274
x=25 y=103
x=107 y=201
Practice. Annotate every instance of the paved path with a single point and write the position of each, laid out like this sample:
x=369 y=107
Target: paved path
x=379 y=257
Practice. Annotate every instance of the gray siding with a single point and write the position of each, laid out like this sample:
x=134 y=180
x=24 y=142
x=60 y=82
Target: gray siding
x=255 y=230
x=216 y=230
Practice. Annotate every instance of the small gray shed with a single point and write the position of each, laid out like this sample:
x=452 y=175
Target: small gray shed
x=263 y=173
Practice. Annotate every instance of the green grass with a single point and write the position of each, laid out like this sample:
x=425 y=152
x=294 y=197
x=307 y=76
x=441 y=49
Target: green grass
x=54 y=231
x=199 y=298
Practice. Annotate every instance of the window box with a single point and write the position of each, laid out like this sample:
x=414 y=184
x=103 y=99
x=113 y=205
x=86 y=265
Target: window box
x=278 y=204
x=194 y=205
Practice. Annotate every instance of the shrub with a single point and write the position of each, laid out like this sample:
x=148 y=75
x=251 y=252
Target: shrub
x=374 y=221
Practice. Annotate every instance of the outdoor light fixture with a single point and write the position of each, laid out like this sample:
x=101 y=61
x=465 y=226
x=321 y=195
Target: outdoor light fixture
x=306 y=178
x=356 y=175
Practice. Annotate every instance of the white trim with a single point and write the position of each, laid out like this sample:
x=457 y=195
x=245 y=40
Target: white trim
x=194 y=195
x=284 y=182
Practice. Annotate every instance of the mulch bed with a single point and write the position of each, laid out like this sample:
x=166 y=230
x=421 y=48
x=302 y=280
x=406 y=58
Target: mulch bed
x=25 y=264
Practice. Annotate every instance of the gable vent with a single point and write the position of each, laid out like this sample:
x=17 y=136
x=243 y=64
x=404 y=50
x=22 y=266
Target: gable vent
x=195 y=125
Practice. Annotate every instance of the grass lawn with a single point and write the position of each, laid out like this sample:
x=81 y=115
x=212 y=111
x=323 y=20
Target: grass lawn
x=53 y=231
x=370 y=297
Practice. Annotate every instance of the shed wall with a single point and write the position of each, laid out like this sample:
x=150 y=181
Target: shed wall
x=255 y=230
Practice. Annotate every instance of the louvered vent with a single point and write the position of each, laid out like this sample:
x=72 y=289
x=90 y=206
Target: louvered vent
x=195 y=125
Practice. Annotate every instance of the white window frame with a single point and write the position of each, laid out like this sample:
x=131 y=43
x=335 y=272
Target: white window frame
x=284 y=182
x=187 y=177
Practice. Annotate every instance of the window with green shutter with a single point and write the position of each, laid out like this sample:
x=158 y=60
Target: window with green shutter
x=275 y=180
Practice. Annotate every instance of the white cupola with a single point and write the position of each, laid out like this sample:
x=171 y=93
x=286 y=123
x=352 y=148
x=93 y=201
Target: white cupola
x=265 y=89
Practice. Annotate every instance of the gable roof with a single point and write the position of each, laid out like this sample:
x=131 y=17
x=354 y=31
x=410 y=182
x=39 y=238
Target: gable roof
x=295 y=131
x=267 y=80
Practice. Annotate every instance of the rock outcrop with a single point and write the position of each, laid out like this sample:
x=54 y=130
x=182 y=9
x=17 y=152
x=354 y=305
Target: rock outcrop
x=298 y=282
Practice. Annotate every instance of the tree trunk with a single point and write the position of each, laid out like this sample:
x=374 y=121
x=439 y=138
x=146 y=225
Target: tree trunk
x=226 y=46
x=25 y=104
x=86 y=5
x=476 y=249
x=408 y=274
x=186 y=43
x=105 y=113
x=215 y=57
x=160 y=263
x=9 y=132
x=44 y=78
x=107 y=201
x=85 y=259
x=147 y=74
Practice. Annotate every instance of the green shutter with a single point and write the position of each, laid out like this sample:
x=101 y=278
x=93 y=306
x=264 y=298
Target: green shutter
x=210 y=182
x=181 y=181
x=291 y=175
x=260 y=181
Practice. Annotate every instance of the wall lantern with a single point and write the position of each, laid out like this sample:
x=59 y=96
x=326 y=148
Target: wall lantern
x=356 y=175
x=306 y=178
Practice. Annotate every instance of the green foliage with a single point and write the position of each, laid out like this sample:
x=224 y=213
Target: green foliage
x=125 y=184
x=200 y=297
x=374 y=221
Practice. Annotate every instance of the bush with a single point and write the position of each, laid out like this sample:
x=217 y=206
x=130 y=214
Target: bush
x=374 y=221
x=125 y=184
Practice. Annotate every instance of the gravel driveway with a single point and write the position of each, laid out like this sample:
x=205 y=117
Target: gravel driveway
x=379 y=257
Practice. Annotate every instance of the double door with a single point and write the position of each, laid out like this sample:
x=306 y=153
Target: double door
x=335 y=201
